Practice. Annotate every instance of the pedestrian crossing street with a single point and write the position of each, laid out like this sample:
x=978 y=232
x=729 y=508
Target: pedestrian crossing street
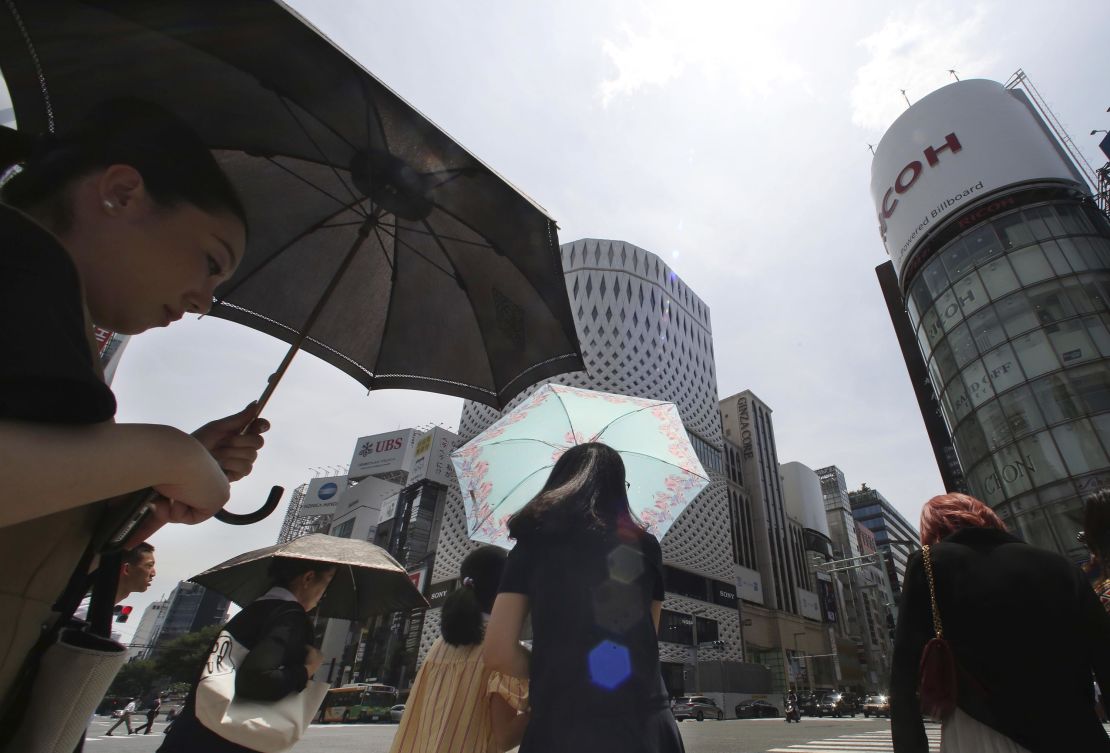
x=877 y=741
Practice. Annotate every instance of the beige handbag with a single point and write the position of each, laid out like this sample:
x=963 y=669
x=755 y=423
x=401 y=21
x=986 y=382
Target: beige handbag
x=265 y=726
x=73 y=676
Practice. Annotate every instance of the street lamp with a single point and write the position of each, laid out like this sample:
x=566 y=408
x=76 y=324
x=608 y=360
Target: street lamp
x=1099 y=131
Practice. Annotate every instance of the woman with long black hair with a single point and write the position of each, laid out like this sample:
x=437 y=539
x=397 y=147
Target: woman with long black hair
x=457 y=705
x=592 y=579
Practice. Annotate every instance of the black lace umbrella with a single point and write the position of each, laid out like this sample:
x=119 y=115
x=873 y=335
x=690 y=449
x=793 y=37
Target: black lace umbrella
x=376 y=242
x=434 y=273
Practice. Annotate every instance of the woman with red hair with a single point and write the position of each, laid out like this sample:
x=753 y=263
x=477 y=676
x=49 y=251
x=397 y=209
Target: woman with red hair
x=1021 y=622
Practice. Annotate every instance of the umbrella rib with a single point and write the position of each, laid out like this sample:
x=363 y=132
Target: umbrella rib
x=323 y=156
x=373 y=117
x=509 y=493
x=392 y=270
x=396 y=236
x=466 y=292
x=452 y=238
x=566 y=412
x=279 y=251
x=353 y=207
x=495 y=442
x=457 y=173
x=664 y=462
x=641 y=409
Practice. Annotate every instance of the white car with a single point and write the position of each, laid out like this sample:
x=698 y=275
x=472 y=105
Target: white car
x=396 y=712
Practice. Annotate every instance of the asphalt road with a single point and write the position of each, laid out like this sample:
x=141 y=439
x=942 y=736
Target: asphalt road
x=730 y=736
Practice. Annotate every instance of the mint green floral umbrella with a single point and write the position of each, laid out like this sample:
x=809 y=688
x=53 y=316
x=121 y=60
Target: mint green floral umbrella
x=505 y=466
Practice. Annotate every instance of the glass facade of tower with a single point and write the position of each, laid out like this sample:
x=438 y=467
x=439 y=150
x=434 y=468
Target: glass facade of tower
x=1011 y=315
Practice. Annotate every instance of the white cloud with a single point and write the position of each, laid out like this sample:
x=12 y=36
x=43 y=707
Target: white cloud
x=750 y=45
x=914 y=50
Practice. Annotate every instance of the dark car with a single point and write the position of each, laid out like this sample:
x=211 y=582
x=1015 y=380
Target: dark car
x=756 y=709
x=696 y=707
x=837 y=704
x=876 y=705
x=808 y=702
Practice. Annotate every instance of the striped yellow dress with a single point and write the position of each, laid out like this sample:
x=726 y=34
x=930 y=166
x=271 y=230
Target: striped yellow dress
x=448 y=708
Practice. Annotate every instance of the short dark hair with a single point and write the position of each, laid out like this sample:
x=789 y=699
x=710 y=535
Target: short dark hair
x=135 y=554
x=284 y=570
x=586 y=490
x=176 y=166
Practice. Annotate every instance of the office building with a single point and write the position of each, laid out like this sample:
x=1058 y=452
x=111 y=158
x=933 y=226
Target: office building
x=894 y=536
x=1002 y=262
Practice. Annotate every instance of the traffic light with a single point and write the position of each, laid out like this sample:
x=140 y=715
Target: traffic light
x=122 y=613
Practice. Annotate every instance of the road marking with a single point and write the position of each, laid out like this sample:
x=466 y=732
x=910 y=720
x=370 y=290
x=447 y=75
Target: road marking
x=866 y=742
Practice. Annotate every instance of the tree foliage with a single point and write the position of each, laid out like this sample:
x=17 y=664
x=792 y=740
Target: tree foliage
x=136 y=679
x=180 y=660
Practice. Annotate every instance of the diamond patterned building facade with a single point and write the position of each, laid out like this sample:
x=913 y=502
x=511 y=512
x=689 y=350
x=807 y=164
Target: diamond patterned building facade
x=644 y=333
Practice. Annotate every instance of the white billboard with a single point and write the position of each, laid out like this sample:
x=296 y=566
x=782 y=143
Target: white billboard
x=367 y=494
x=431 y=457
x=809 y=604
x=388 y=509
x=961 y=143
x=380 y=454
x=322 y=495
x=749 y=585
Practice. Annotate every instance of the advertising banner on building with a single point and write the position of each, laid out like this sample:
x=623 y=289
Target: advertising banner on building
x=723 y=594
x=437 y=592
x=323 y=495
x=389 y=509
x=956 y=146
x=369 y=493
x=380 y=454
x=431 y=457
x=809 y=604
x=749 y=585
x=419 y=577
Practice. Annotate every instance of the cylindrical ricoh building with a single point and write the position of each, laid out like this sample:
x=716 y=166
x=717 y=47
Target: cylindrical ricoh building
x=1003 y=262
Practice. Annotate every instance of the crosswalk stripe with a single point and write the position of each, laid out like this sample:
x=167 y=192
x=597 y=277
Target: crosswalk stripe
x=878 y=741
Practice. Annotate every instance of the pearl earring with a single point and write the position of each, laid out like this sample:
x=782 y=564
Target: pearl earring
x=109 y=205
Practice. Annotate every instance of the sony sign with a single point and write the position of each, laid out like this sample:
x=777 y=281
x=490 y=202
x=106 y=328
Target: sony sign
x=958 y=145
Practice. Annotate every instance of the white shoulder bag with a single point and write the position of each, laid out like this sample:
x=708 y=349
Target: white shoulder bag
x=265 y=726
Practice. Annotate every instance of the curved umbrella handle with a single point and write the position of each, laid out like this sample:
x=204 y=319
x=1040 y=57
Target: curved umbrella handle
x=245 y=519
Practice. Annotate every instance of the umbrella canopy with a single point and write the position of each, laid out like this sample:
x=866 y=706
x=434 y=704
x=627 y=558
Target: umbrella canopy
x=505 y=466
x=368 y=580
x=438 y=274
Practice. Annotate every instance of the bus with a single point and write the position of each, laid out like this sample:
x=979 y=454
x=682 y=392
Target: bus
x=362 y=702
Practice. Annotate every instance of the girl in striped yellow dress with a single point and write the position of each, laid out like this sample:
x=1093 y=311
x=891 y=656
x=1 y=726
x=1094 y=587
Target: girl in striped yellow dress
x=457 y=704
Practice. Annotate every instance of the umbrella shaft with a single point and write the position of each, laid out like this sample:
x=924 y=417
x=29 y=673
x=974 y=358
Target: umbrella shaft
x=276 y=377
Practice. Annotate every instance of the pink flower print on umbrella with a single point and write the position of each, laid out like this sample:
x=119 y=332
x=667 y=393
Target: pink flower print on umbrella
x=659 y=460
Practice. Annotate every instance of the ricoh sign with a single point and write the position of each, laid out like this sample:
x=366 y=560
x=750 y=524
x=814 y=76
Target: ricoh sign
x=957 y=146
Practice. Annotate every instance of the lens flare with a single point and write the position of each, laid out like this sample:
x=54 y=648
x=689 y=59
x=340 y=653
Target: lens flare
x=610 y=665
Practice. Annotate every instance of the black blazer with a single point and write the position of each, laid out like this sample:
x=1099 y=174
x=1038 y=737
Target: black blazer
x=1027 y=631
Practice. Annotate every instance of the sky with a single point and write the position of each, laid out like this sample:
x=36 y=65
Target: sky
x=731 y=139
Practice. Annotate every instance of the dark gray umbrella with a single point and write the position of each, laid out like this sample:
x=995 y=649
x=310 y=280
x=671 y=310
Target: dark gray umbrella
x=437 y=274
x=368 y=581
